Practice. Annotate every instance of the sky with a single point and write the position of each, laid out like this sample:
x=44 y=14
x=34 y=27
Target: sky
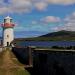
x=37 y=17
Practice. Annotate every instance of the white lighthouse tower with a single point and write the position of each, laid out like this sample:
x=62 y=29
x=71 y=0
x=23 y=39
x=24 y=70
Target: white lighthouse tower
x=8 y=34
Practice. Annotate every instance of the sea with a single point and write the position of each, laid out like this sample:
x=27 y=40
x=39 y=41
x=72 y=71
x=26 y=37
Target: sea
x=46 y=43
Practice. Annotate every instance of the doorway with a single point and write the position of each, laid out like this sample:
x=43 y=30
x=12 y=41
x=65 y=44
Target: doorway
x=7 y=43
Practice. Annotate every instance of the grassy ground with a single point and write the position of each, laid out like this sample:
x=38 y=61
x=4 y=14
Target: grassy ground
x=8 y=66
x=45 y=39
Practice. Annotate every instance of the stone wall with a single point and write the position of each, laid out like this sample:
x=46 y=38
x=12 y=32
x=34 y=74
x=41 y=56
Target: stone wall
x=47 y=62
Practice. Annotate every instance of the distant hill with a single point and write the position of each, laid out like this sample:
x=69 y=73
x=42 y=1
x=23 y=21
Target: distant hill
x=60 y=33
x=55 y=36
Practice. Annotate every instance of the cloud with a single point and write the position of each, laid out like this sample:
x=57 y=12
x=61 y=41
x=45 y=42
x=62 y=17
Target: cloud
x=34 y=22
x=64 y=2
x=69 y=22
x=3 y=10
x=41 y=5
x=22 y=6
x=15 y=6
x=21 y=28
x=55 y=28
x=50 y=19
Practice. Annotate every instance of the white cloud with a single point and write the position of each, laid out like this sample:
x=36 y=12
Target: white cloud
x=65 y=2
x=70 y=22
x=21 y=28
x=15 y=6
x=55 y=28
x=41 y=5
x=49 y=19
x=34 y=22
x=3 y=9
x=22 y=6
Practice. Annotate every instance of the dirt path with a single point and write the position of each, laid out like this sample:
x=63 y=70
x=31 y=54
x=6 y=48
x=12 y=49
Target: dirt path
x=8 y=64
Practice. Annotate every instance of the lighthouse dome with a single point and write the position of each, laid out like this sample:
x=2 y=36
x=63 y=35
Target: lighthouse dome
x=8 y=17
x=7 y=22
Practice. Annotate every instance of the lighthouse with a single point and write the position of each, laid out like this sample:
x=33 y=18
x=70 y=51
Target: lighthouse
x=8 y=33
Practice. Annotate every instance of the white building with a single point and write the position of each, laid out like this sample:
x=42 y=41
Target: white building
x=8 y=33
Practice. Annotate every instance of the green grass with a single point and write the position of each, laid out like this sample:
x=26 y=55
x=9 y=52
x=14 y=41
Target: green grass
x=16 y=71
x=21 y=72
x=46 y=39
x=53 y=38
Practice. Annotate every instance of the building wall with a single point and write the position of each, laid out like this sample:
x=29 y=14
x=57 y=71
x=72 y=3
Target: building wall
x=54 y=62
x=8 y=36
x=46 y=62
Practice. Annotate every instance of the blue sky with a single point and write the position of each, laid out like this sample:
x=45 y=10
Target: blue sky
x=38 y=17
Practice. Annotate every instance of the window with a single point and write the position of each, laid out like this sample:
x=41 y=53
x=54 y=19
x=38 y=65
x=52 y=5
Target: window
x=10 y=20
x=7 y=36
x=4 y=20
